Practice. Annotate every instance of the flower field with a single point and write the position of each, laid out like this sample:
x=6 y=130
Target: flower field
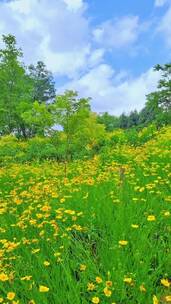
x=97 y=232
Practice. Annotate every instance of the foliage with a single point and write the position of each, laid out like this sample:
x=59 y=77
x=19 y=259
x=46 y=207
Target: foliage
x=164 y=86
x=101 y=234
x=15 y=88
x=43 y=83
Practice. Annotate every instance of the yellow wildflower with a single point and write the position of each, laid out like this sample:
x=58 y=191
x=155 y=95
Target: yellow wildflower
x=82 y=267
x=128 y=281
x=95 y=300
x=26 y=278
x=165 y=282
x=167 y=213
x=108 y=283
x=90 y=286
x=3 y=277
x=123 y=243
x=10 y=295
x=142 y=288
x=151 y=218
x=43 y=288
x=107 y=292
x=155 y=300
x=168 y=298
x=46 y=263
x=135 y=226
x=99 y=280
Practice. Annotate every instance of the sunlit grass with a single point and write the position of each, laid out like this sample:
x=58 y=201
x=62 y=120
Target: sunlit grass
x=99 y=235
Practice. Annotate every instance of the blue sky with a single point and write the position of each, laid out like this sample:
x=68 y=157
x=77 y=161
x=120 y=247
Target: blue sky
x=102 y=49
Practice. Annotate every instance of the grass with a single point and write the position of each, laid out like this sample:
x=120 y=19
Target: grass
x=99 y=235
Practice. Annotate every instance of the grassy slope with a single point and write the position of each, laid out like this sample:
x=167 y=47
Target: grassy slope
x=76 y=223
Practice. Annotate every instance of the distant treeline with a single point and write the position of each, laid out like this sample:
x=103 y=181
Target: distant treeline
x=29 y=105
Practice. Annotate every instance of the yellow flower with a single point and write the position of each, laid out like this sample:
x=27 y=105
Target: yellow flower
x=45 y=208
x=128 y=281
x=31 y=302
x=1 y=300
x=123 y=243
x=43 y=288
x=95 y=300
x=3 y=277
x=155 y=300
x=142 y=288
x=26 y=278
x=165 y=282
x=99 y=280
x=151 y=218
x=82 y=267
x=167 y=213
x=168 y=298
x=10 y=295
x=135 y=226
x=108 y=283
x=46 y=263
x=107 y=292
x=90 y=286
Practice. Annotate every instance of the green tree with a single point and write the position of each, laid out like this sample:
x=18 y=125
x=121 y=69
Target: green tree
x=133 y=119
x=164 y=86
x=111 y=122
x=70 y=113
x=43 y=83
x=38 y=118
x=15 y=88
x=123 y=121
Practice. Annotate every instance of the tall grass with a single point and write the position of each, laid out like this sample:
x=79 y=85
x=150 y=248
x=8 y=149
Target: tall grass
x=99 y=235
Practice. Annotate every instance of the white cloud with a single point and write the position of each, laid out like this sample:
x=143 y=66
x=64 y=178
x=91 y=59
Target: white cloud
x=161 y=2
x=74 y=4
x=115 y=92
x=117 y=33
x=58 y=33
x=54 y=31
x=165 y=26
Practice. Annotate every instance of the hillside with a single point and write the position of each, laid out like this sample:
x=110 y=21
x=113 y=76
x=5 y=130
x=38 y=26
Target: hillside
x=87 y=231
